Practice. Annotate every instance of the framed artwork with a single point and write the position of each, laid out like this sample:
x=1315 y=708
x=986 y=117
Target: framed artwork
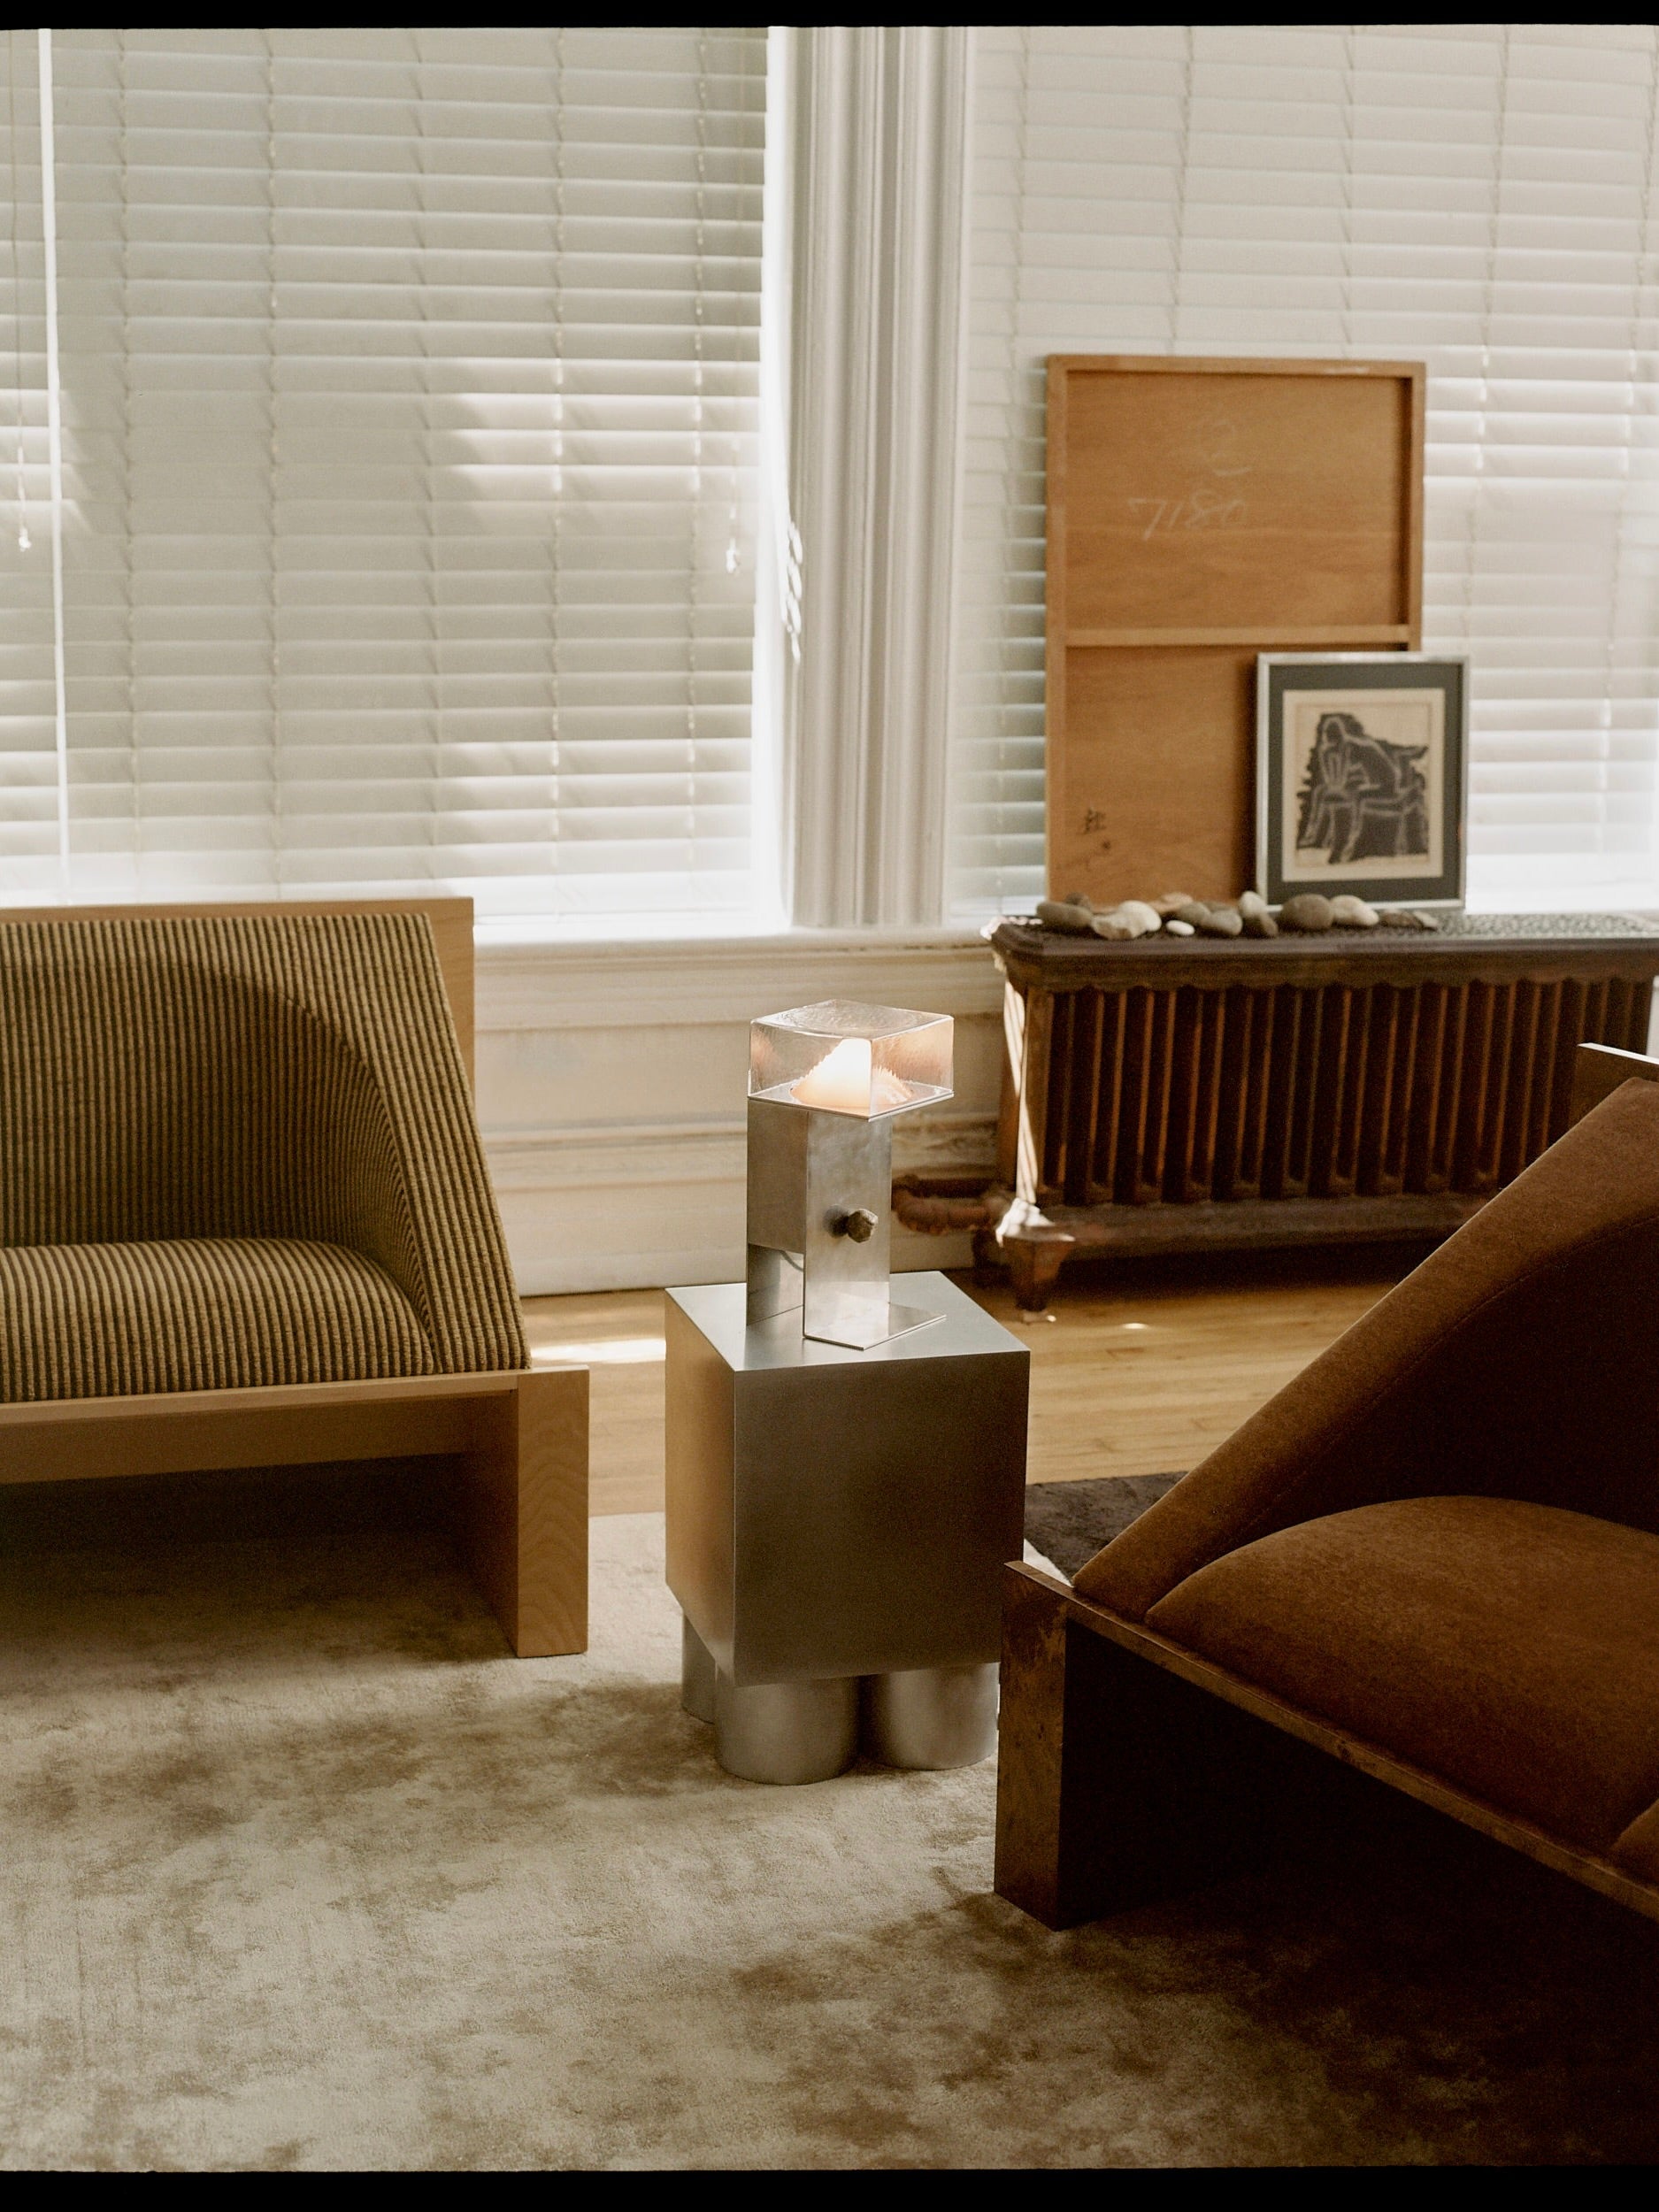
x=1361 y=776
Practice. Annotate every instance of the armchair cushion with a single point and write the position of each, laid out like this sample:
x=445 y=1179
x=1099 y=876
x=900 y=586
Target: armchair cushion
x=1510 y=1647
x=199 y=1313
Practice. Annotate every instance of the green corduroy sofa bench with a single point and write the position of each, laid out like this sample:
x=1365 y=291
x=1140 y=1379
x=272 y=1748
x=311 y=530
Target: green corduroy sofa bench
x=245 y=1221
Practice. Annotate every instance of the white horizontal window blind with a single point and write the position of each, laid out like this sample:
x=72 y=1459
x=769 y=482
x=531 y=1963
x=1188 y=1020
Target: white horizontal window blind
x=409 y=390
x=1478 y=196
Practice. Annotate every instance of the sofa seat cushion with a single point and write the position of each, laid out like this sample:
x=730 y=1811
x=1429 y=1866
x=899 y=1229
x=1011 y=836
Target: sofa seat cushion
x=1511 y=1649
x=200 y=1313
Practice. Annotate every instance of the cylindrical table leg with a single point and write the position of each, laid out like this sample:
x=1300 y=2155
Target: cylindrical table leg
x=786 y=1732
x=931 y=1716
x=696 y=1673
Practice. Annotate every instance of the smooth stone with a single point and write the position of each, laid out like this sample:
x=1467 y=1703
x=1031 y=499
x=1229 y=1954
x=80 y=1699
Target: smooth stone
x=1251 y=902
x=1171 y=902
x=1406 y=917
x=1195 y=911
x=1308 y=910
x=1061 y=914
x=1079 y=898
x=1261 y=924
x=1176 y=928
x=1144 y=918
x=1349 y=912
x=1114 y=928
x=1222 y=921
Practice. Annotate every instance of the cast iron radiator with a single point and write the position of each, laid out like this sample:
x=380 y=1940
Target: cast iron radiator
x=1146 y=1097
x=1161 y=1094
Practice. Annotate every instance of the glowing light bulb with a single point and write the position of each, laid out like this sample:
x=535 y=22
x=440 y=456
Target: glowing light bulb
x=845 y=1082
x=841 y=1081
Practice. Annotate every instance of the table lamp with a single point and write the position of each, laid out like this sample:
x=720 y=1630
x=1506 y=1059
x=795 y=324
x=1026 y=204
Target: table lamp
x=825 y=1084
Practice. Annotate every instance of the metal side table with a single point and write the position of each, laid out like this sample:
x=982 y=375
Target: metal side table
x=838 y=1518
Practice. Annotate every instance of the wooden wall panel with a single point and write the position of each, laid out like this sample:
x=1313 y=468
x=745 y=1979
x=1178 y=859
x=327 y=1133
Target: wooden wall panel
x=1201 y=512
x=1257 y=499
x=1152 y=729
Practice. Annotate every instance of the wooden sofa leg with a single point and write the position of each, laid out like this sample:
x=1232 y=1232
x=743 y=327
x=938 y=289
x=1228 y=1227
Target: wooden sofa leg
x=1117 y=1783
x=524 y=1512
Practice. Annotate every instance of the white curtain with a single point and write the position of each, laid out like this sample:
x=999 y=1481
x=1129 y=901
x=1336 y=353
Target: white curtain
x=32 y=781
x=1478 y=196
x=408 y=399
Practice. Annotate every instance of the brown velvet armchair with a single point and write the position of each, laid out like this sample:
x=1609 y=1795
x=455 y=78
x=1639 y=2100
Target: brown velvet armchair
x=1433 y=1556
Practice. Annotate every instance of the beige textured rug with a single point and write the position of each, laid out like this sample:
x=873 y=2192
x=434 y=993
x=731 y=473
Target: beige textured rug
x=300 y=1872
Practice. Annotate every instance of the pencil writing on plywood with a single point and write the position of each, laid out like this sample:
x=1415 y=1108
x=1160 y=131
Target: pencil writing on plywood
x=1202 y=509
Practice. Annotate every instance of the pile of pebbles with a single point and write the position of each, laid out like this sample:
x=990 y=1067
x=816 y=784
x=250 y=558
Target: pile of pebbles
x=1177 y=915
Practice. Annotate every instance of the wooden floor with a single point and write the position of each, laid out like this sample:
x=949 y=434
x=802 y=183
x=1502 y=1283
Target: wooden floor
x=1136 y=1370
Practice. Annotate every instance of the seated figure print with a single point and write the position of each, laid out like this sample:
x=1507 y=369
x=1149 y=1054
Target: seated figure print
x=1362 y=797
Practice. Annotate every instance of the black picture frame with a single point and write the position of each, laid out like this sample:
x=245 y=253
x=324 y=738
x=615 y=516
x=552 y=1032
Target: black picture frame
x=1363 y=758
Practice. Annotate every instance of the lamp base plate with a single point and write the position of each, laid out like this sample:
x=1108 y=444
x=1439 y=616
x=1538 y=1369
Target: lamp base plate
x=902 y=1321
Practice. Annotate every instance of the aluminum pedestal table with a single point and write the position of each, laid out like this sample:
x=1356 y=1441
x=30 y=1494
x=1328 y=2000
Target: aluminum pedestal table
x=838 y=1519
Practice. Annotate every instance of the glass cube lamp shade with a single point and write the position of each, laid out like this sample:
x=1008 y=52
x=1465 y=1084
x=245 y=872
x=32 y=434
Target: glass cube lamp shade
x=844 y=1058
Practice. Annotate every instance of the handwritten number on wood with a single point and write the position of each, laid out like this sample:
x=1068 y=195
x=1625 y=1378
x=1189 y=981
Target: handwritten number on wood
x=1202 y=509
x=1205 y=507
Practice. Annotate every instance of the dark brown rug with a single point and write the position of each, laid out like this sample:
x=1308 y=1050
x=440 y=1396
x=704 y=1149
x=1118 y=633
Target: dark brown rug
x=1068 y=1522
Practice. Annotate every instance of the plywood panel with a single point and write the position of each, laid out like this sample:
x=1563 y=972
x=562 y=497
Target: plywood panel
x=68 y=1440
x=1201 y=512
x=1152 y=790
x=1264 y=502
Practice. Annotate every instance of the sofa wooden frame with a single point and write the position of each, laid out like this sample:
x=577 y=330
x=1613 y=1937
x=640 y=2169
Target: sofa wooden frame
x=1130 y=1770
x=520 y=1437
